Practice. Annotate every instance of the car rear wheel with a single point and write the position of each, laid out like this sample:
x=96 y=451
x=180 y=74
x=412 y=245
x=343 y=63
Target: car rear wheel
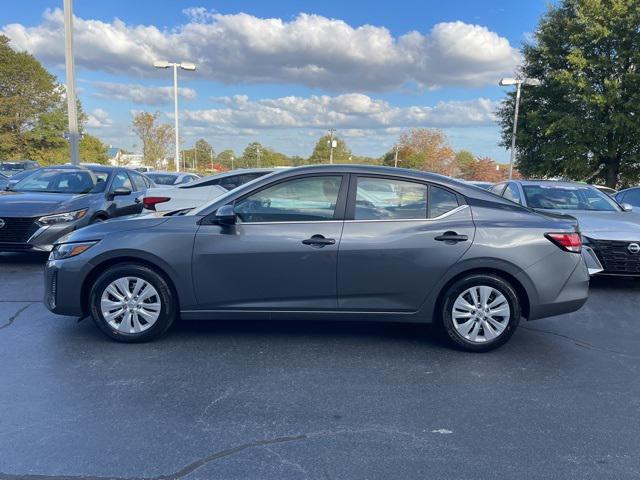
x=132 y=303
x=479 y=312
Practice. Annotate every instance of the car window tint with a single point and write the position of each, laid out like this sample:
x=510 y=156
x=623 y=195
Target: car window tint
x=442 y=201
x=138 y=181
x=631 y=197
x=512 y=193
x=382 y=199
x=121 y=180
x=299 y=200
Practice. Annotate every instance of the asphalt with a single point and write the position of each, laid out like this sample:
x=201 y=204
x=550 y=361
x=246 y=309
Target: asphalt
x=296 y=400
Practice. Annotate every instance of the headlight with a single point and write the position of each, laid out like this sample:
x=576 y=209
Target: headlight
x=68 y=250
x=62 y=217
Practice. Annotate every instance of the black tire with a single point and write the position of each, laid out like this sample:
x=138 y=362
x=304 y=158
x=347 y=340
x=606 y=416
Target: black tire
x=168 y=310
x=446 y=321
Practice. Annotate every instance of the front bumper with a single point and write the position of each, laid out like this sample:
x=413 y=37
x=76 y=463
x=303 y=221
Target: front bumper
x=615 y=256
x=68 y=299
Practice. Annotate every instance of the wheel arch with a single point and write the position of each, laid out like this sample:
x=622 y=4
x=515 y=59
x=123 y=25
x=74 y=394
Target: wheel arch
x=104 y=265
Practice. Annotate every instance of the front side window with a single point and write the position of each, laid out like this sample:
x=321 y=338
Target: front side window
x=299 y=200
x=386 y=199
x=121 y=180
x=138 y=181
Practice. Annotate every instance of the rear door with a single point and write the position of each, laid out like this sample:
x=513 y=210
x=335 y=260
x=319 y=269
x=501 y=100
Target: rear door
x=399 y=239
x=282 y=252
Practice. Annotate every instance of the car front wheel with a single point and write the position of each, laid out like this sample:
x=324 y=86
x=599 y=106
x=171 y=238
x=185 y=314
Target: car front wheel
x=132 y=303
x=479 y=312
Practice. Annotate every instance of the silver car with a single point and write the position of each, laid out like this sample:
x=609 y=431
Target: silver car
x=610 y=231
x=327 y=242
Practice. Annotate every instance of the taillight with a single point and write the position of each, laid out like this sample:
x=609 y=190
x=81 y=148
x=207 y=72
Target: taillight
x=571 y=242
x=151 y=202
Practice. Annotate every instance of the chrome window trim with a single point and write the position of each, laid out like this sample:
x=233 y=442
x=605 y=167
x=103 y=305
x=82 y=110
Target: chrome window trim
x=289 y=223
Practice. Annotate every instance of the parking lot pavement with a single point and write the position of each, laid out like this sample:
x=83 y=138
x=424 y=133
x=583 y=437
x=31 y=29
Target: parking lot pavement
x=294 y=400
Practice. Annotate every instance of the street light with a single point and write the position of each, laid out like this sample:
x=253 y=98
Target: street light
x=74 y=131
x=332 y=144
x=518 y=82
x=184 y=66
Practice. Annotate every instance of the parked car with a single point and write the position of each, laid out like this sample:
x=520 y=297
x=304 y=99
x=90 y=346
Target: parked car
x=4 y=181
x=171 y=178
x=197 y=193
x=629 y=196
x=10 y=168
x=610 y=232
x=303 y=243
x=53 y=201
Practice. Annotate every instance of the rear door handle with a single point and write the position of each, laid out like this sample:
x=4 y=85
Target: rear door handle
x=451 y=237
x=319 y=241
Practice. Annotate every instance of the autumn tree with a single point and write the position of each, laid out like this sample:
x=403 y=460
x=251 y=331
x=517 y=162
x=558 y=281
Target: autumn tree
x=582 y=121
x=423 y=149
x=322 y=151
x=156 y=138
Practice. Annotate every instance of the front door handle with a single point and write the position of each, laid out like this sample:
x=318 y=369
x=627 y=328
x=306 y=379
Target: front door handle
x=451 y=238
x=319 y=241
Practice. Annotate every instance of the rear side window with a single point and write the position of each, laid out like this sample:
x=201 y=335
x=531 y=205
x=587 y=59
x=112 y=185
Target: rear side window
x=512 y=193
x=632 y=197
x=498 y=189
x=388 y=199
x=442 y=201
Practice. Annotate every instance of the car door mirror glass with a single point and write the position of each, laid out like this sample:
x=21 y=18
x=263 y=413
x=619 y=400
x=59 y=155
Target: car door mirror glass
x=626 y=207
x=225 y=215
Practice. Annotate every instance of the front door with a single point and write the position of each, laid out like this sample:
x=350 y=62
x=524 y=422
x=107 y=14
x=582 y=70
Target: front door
x=123 y=204
x=399 y=239
x=281 y=254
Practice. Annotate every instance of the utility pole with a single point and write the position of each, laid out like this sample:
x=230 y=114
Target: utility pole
x=258 y=153
x=72 y=107
x=211 y=152
x=195 y=158
x=331 y=132
x=395 y=157
x=232 y=159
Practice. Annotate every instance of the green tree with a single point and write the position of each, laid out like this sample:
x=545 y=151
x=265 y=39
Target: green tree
x=465 y=162
x=582 y=122
x=225 y=157
x=322 y=151
x=156 y=138
x=27 y=93
x=256 y=154
x=92 y=150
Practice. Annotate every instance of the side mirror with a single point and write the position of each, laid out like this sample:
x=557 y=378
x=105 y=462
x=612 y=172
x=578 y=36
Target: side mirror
x=225 y=215
x=626 y=207
x=120 y=192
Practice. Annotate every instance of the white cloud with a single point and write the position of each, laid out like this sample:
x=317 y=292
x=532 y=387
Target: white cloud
x=311 y=50
x=99 y=118
x=140 y=94
x=352 y=112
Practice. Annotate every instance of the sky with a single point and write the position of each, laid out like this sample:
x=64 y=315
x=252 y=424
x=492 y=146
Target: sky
x=284 y=72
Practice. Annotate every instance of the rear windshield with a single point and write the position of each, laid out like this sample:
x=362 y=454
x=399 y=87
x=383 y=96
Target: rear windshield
x=568 y=197
x=162 y=179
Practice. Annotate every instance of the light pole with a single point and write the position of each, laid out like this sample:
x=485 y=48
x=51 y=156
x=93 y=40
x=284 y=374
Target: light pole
x=72 y=107
x=331 y=132
x=395 y=157
x=518 y=82
x=258 y=154
x=232 y=159
x=184 y=66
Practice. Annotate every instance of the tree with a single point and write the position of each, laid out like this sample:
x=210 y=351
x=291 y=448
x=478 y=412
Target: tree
x=156 y=138
x=322 y=151
x=582 y=122
x=423 y=149
x=268 y=157
x=465 y=162
x=92 y=150
x=201 y=155
x=27 y=93
x=225 y=157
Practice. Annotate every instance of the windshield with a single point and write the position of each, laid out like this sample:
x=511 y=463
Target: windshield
x=568 y=197
x=62 y=181
x=162 y=178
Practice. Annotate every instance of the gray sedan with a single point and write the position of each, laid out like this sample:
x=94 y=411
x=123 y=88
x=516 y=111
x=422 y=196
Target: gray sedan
x=327 y=242
x=610 y=231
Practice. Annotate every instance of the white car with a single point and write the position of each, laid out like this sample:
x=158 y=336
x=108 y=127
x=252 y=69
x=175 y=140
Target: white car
x=198 y=192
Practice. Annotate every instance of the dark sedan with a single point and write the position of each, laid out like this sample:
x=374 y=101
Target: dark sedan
x=327 y=242
x=53 y=201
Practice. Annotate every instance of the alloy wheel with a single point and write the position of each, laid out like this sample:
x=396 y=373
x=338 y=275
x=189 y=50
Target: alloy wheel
x=130 y=305
x=481 y=314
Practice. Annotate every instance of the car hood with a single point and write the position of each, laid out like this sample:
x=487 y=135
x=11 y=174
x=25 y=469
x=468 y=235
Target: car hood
x=32 y=204
x=606 y=225
x=98 y=231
